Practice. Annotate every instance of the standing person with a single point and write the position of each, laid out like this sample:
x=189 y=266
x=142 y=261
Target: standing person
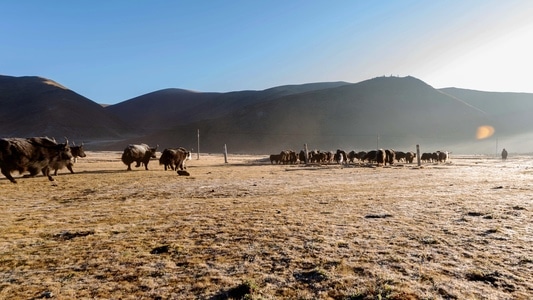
x=504 y=154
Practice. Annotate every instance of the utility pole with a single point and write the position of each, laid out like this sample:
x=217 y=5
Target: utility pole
x=198 y=148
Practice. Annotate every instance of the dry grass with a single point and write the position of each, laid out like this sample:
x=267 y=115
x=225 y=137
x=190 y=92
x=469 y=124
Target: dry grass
x=248 y=229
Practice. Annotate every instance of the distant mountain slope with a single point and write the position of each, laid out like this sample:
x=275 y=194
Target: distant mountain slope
x=511 y=113
x=35 y=106
x=388 y=111
x=159 y=109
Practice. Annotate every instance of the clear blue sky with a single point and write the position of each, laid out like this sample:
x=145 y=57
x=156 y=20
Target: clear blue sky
x=111 y=51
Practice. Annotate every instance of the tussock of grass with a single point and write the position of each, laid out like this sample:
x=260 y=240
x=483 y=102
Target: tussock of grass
x=255 y=231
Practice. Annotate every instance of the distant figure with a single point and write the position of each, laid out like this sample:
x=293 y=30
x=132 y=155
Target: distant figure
x=504 y=154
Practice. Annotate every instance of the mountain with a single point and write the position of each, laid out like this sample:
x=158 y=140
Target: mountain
x=388 y=112
x=510 y=115
x=510 y=112
x=36 y=106
x=382 y=112
x=159 y=109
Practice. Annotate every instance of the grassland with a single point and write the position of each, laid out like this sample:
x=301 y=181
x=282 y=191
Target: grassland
x=248 y=229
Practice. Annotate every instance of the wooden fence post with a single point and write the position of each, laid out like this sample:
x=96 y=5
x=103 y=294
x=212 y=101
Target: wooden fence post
x=418 y=154
x=225 y=154
x=306 y=153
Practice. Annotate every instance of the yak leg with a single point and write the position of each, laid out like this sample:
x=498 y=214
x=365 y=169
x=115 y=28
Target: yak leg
x=33 y=172
x=7 y=174
x=69 y=167
x=46 y=172
x=129 y=167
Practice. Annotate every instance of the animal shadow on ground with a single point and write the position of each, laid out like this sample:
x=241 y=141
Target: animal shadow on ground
x=238 y=292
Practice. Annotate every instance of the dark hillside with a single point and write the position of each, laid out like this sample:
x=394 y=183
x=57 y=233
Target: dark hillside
x=35 y=106
x=388 y=112
x=172 y=107
x=385 y=112
x=512 y=113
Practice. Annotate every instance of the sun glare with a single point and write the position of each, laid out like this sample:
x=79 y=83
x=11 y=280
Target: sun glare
x=484 y=132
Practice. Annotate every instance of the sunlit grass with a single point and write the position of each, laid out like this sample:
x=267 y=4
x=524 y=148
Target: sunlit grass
x=254 y=231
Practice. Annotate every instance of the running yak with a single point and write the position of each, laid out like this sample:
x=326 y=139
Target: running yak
x=174 y=158
x=141 y=153
x=77 y=151
x=33 y=155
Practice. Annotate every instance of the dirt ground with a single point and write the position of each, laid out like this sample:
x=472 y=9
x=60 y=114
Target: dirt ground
x=249 y=229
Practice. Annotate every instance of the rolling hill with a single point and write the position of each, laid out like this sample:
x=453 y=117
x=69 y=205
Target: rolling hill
x=36 y=106
x=510 y=112
x=389 y=112
x=381 y=112
x=161 y=108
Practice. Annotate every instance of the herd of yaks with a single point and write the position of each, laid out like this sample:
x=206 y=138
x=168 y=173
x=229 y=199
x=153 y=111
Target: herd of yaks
x=171 y=158
x=42 y=155
x=36 y=155
x=380 y=157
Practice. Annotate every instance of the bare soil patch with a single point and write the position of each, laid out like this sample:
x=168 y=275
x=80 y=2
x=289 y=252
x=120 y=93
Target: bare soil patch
x=249 y=229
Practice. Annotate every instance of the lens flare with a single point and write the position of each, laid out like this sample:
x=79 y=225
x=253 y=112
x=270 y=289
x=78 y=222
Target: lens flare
x=484 y=132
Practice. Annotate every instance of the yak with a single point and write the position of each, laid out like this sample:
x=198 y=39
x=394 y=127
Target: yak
x=174 y=158
x=77 y=151
x=275 y=158
x=340 y=157
x=302 y=157
x=381 y=157
x=370 y=156
x=288 y=157
x=390 y=155
x=400 y=156
x=443 y=156
x=409 y=156
x=168 y=158
x=351 y=156
x=426 y=157
x=34 y=155
x=141 y=153
x=182 y=156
